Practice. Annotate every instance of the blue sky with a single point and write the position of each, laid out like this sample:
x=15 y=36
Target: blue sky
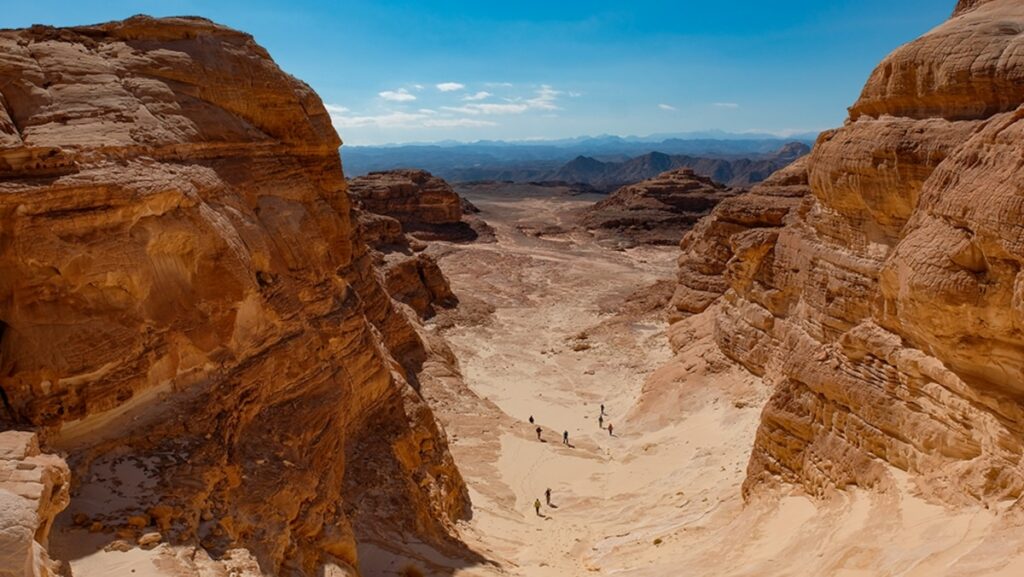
x=403 y=71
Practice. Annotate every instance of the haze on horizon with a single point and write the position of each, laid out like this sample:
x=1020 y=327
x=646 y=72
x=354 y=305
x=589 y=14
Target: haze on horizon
x=393 y=71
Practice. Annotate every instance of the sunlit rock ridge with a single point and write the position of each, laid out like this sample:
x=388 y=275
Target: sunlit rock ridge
x=877 y=285
x=187 y=309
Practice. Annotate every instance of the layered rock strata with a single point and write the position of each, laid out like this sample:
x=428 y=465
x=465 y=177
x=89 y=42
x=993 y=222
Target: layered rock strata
x=411 y=276
x=746 y=221
x=33 y=490
x=187 y=307
x=887 y=310
x=656 y=211
x=427 y=207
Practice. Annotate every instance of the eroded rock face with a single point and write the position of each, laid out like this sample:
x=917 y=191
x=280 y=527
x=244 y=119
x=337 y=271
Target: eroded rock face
x=33 y=490
x=426 y=206
x=886 y=311
x=656 y=211
x=187 y=306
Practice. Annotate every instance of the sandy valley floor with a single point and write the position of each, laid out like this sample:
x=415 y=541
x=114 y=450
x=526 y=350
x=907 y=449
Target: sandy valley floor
x=552 y=326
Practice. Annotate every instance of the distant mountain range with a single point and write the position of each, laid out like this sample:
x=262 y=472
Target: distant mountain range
x=604 y=162
x=735 y=172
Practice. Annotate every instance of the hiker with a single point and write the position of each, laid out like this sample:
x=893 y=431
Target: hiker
x=538 y=433
x=531 y=419
x=600 y=422
x=547 y=496
x=610 y=434
x=565 y=438
x=602 y=409
x=536 y=506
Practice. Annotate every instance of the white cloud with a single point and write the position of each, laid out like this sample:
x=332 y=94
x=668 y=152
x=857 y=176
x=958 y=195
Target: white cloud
x=457 y=122
x=668 y=107
x=731 y=105
x=477 y=109
x=422 y=118
x=482 y=95
x=498 y=84
x=417 y=86
x=544 y=98
x=400 y=95
x=450 y=86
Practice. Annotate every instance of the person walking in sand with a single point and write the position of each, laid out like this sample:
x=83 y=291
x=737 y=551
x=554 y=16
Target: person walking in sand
x=565 y=438
x=538 y=433
x=602 y=409
x=536 y=506
x=547 y=496
x=531 y=419
x=600 y=421
x=610 y=429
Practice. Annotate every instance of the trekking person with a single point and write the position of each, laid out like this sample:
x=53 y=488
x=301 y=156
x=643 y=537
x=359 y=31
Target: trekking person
x=536 y=506
x=602 y=409
x=565 y=438
x=531 y=419
x=610 y=429
x=538 y=433
x=600 y=421
x=547 y=496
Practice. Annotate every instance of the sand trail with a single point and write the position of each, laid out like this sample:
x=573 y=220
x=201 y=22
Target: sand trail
x=663 y=496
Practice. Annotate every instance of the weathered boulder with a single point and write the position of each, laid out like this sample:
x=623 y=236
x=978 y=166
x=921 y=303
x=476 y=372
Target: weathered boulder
x=33 y=490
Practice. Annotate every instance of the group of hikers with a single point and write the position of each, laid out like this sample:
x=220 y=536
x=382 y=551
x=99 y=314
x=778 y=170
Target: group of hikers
x=565 y=434
x=565 y=441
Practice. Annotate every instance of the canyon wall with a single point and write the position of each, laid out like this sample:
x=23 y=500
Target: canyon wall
x=877 y=286
x=656 y=211
x=427 y=207
x=188 y=309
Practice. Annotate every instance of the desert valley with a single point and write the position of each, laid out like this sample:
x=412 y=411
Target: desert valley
x=224 y=355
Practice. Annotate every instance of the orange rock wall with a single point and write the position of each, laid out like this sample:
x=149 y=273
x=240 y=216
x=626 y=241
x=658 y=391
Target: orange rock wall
x=182 y=290
x=884 y=303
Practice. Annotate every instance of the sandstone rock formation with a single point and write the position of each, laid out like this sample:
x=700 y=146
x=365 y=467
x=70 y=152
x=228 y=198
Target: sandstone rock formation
x=33 y=490
x=410 y=275
x=187 y=308
x=748 y=220
x=426 y=206
x=656 y=211
x=887 y=309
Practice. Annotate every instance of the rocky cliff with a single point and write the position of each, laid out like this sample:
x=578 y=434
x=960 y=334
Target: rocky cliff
x=187 y=308
x=427 y=207
x=883 y=298
x=33 y=490
x=656 y=211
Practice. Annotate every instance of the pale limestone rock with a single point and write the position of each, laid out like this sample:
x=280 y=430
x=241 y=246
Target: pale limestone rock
x=33 y=490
